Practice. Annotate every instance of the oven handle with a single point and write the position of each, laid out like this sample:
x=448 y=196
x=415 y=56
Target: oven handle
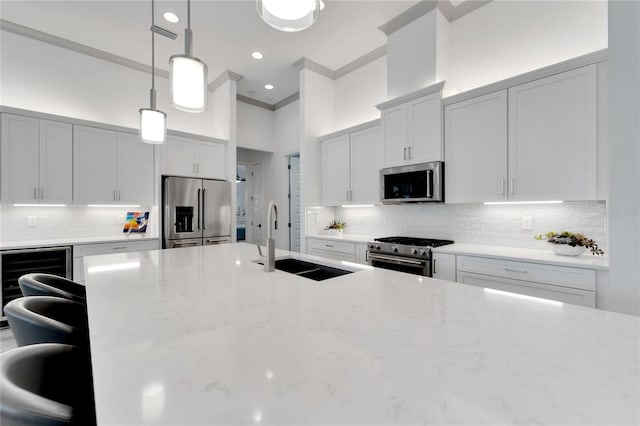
x=396 y=260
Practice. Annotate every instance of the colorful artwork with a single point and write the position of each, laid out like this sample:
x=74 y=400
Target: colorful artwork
x=136 y=222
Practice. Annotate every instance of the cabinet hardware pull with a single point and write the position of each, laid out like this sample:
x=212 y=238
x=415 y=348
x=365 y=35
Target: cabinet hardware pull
x=120 y=248
x=114 y=195
x=434 y=266
x=502 y=186
x=513 y=186
x=328 y=245
x=520 y=271
x=404 y=153
x=35 y=192
x=42 y=192
x=409 y=151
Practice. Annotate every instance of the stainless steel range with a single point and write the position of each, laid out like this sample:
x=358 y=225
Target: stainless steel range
x=404 y=254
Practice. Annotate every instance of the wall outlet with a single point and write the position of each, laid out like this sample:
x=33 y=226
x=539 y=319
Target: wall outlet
x=32 y=221
x=527 y=222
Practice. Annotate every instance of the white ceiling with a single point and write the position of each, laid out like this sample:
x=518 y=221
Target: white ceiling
x=225 y=34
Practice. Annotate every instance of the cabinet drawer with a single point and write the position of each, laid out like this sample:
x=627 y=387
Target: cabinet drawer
x=119 y=247
x=527 y=288
x=331 y=245
x=584 y=279
x=333 y=255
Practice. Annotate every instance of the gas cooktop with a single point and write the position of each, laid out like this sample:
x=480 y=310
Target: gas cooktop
x=417 y=242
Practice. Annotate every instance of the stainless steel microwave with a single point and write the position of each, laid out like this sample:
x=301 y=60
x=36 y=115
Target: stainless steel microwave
x=418 y=183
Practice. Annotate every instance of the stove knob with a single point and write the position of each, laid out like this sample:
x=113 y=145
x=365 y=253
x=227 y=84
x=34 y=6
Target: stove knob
x=422 y=253
x=414 y=251
x=394 y=249
x=371 y=247
x=377 y=247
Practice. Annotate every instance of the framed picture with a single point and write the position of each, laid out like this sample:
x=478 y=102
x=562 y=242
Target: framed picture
x=136 y=222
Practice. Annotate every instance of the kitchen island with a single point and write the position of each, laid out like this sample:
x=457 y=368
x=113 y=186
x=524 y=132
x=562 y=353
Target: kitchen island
x=204 y=336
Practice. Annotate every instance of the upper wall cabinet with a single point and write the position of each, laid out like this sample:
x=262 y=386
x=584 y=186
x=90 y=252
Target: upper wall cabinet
x=36 y=160
x=194 y=158
x=111 y=167
x=532 y=142
x=351 y=166
x=412 y=128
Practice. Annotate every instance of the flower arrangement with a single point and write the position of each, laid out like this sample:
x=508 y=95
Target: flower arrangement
x=336 y=224
x=578 y=241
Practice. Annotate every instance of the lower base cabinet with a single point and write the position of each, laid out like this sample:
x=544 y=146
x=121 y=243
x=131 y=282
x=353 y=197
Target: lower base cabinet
x=338 y=250
x=444 y=266
x=560 y=283
x=82 y=250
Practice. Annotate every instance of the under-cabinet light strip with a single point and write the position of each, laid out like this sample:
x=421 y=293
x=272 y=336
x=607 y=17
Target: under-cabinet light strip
x=113 y=205
x=357 y=205
x=524 y=297
x=495 y=203
x=39 y=205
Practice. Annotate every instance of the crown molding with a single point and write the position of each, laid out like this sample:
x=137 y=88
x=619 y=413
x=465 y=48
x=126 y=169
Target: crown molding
x=305 y=63
x=224 y=76
x=286 y=101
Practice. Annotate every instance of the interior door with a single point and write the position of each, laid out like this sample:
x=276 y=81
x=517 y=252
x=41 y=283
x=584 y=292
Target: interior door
x=182 y=207
x=216 y=208
x=256 y=203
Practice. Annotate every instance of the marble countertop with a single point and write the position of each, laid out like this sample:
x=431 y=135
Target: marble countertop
x=204 y=336
x=548 y=257
x=10 y=245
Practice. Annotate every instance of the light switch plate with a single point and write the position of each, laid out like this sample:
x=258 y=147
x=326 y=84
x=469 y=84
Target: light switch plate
x=32 y=221
x=527 y=222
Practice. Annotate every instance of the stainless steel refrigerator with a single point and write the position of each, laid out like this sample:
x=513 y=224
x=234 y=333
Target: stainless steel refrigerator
x=195 y=212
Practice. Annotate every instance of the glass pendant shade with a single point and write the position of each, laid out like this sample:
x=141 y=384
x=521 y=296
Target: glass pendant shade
x=289 y=15
x=188 y=77
x=153 y=125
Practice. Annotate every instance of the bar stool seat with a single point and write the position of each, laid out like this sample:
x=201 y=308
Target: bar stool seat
x=52 y=285
x=45 y=319
x=46 y=385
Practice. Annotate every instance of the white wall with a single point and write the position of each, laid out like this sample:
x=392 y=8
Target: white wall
x=256 y=127
x=623 y=292
x=287 y=128
x=498 y=225
x=357 y=93
x=41 y=77
x=507 y=38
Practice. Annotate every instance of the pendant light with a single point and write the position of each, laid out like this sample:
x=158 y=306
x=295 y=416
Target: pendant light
x=289 y=15
x=188 y=76
x=153 y=123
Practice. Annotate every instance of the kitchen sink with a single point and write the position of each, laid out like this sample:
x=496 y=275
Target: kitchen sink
x=303 y=268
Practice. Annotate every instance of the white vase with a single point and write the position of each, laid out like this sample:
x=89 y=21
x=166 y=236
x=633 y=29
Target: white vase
x=567 y=250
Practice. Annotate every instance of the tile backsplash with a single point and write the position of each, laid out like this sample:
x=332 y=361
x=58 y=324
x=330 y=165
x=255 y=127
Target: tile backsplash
x=54 y=223
x=498 y=225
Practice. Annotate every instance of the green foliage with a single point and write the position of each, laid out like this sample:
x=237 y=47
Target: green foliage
x=335 y=224
x=572 y=239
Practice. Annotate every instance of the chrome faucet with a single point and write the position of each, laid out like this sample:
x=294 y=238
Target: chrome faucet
x=270 y=264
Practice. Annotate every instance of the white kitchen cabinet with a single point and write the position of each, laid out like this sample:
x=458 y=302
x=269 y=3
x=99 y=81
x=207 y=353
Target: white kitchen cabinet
x=560 y=283
x=532 y=142
x=135 y=170
x=413 y=131
x=111 y=167
x=332 y=249
x=82 y=250
x=194 y=158
x=476 y=149
x=362 y=254
x=552 y=137
x=36 y=160
x=351 y=168
x=444 y=266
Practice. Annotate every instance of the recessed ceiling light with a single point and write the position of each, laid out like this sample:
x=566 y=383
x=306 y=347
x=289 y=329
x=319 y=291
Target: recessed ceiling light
x=171 y=17
x=268 y=86
x=257 y=55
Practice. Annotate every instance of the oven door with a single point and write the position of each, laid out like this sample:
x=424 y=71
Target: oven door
x=401 y=264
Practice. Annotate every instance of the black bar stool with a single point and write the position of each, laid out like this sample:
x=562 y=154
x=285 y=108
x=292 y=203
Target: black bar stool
x=52 y=285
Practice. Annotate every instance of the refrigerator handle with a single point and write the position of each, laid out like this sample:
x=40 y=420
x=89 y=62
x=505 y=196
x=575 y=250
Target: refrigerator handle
x=204 y=226
x=198 y=210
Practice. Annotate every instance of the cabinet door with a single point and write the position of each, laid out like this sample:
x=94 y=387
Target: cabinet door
x=552 y=137
x=366 y=162
x=444 y=266
x=476 y=149
x=335 y=171
x=394 y=125
x=56 y=162
x=179 y=157
x=362 y=254
x=19 y=159
x=425 y=129
x=135 y=170
x=94 y=165
x=211 y=159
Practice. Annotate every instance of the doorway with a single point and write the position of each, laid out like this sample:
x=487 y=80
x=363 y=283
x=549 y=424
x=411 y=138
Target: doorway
x=294 y=203
x=241 y=202
x=255 y=192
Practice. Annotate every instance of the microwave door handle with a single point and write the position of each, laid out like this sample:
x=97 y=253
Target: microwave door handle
x=429 y=183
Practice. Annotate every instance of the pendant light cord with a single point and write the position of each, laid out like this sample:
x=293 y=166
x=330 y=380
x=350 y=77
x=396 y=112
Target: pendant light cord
x=189 y=14
x=153 y=50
